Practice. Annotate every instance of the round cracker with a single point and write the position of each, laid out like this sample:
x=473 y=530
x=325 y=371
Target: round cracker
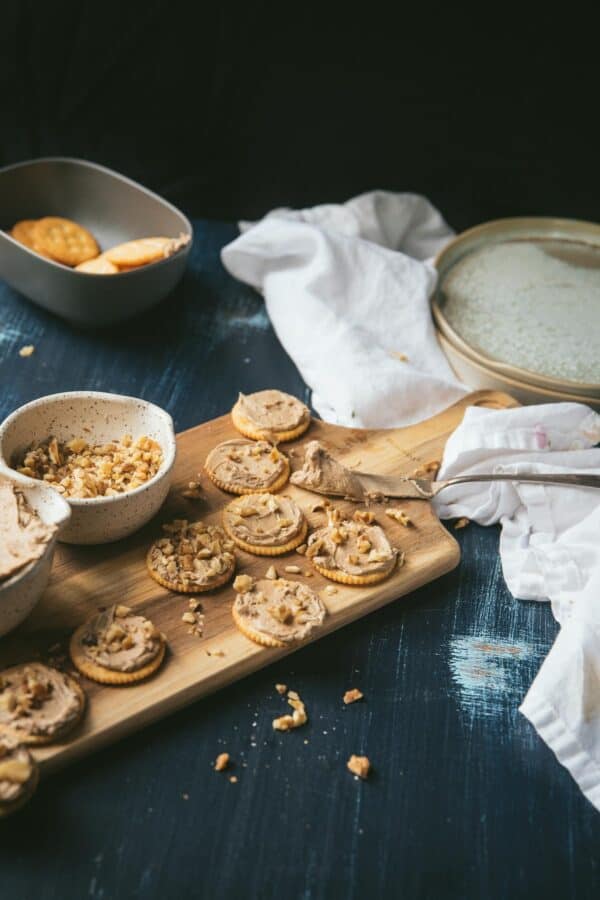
x=64 y=241
x=182 y=588
x=98 y=673
x=357 y=580
x=23 y=232
x=7 y=809
x=139 y=252
x=40 y=740
x=236 y=489
x=258 y=637
x=100 y=265
x=245 y=427
x=269 y=551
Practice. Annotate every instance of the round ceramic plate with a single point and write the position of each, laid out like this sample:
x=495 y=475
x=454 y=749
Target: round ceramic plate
x=521 y=299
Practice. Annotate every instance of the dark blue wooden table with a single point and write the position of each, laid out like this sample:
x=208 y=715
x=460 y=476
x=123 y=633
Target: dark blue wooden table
x=465 y=800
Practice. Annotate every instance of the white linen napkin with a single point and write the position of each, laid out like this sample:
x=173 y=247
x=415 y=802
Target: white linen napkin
x=347 y=288
x=550 y=550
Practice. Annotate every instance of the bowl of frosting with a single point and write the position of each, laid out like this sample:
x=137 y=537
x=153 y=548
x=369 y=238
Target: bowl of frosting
x=31 y=518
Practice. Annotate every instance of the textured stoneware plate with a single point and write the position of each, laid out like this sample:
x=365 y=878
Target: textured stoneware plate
x=115 y=209
x=571 y=243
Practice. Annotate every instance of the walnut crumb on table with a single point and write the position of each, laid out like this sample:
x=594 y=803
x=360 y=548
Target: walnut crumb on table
x=222 y=762
x=352 y=696
x=461 y=523
x=27 y=350
x=271 y=573
x=293 y=570
x=299 y=716
x=359 y=766
x=281 y=689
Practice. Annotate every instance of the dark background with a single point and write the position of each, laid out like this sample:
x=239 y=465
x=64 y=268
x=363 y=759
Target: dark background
x=228 y=112
x=231 y=109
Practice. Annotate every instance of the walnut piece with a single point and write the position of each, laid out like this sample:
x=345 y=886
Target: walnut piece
x=299 y=716
x=359 y=765
x=399 y=515
x=222 y=762
x=461 y=523
x=243 y=583
x=352 y=696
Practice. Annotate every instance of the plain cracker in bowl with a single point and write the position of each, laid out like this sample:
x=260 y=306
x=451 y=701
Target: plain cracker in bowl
x=144 y=250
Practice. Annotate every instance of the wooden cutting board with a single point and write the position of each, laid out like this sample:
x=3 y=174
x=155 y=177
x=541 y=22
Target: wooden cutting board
x=85 y=578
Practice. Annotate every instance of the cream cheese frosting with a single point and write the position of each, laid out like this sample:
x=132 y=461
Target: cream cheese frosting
x=272 y=411
x=119 y=640
x=247 y=464
x=17 y=770
x=23 y=535
x=37 y=700
x=324 y=474
x=350 y=546
x=264 y=520
x=287 y=611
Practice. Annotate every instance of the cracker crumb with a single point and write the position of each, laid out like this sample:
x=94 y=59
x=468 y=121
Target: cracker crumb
x=359 y=765
x=221 y=762
x=352 y=696
x=461 y=523
x=281 y=689
x=27 y=350
x=399 y=515
x=293 y=570
x=271 y=573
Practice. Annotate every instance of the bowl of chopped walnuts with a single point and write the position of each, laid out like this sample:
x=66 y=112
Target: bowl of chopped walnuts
x=110 y=457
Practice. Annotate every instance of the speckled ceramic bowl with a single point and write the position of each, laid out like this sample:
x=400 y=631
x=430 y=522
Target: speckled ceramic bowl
x=100 y=418
x=19 y=594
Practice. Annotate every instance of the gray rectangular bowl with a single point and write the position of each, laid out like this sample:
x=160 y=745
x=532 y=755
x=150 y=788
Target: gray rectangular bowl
x=115 y=209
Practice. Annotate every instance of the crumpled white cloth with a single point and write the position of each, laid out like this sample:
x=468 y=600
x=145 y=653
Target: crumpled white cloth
x=550 y=550
x=347 y=289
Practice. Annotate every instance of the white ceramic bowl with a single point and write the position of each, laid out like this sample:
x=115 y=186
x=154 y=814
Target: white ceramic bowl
x=19 y=594
x=100 y=418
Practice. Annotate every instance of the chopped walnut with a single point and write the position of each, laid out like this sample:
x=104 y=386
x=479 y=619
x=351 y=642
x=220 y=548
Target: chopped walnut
x=233 y=779
x=222 y=762
x=399 y=515
x=281 y=689
x=364 y=515
x=427 y=470
x=301 y=549
x=330 y=589
x=243 y=583
x=271 y=573
x=82 y=470
x=359 y=765
x=27 y=350
x=293 y=570
x=189 y=618
x=352 y=696
x=462 y=522
x=193 y=491
x=298 y=717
